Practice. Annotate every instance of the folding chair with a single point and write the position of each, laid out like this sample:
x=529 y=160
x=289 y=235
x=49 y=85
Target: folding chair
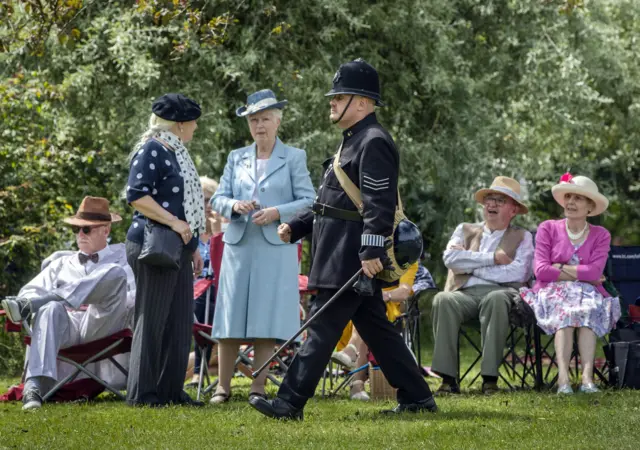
x=548 y=378
x=623 y=270
x=520 y=368
x=202 y=332
x=80 y=356
x=409 y=324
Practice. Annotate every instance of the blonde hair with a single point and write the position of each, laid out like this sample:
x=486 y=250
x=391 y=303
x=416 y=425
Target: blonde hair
x=209 y=186
x=156 y=124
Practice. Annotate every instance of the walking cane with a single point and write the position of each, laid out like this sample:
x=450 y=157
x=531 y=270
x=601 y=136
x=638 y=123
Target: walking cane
x=346 y=286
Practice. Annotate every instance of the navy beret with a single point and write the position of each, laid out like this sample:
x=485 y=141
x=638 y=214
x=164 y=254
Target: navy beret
x=176 y=108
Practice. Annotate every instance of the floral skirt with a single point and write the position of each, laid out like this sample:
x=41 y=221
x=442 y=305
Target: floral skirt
x=572 y=304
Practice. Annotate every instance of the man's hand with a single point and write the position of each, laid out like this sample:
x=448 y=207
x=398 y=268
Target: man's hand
x=266 y=216
x=243 y=207
x=501 y=258
x=198 y=263
x=284 y=232
x=371 y=267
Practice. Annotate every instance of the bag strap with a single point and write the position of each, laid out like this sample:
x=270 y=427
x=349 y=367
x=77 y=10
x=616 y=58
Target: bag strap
x=349 y=186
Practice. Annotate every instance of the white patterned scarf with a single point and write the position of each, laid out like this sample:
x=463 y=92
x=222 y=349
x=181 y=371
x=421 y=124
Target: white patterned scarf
x=193 y=201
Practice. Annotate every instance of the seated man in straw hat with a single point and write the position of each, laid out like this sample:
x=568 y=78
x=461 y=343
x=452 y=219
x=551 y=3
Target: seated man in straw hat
x=97 y=275
x=487 y=262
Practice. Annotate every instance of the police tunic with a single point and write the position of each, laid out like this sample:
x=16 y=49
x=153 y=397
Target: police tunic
x=370 y=159
x=341 y=239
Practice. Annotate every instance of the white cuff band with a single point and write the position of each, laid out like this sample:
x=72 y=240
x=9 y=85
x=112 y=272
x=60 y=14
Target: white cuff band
x=372 y=240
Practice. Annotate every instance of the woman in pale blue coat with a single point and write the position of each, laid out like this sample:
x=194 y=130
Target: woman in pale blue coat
x=263 y=185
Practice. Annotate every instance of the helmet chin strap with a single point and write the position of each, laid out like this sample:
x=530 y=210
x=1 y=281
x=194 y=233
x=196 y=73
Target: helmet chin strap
x=343 y=111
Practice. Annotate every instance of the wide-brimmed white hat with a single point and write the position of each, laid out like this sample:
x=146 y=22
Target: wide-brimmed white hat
x=506 y=186
x=582 y=186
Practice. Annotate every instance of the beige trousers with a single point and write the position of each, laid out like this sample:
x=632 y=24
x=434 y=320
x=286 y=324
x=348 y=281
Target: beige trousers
x=489 y=303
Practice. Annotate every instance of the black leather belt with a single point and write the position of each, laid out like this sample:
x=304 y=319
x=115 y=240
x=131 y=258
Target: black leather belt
x=337 y=213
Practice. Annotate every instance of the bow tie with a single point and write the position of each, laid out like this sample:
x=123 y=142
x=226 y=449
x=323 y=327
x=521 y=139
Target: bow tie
x=84 y=258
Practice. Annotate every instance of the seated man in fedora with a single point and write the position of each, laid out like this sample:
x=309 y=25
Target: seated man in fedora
x=487 y=262
x=97 y=275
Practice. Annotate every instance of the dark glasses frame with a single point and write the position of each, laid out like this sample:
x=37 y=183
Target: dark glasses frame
x=87 y=229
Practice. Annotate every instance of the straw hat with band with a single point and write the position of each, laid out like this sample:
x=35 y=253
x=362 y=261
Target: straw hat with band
x=93 y=211
x=582 y=186
x=505 y=186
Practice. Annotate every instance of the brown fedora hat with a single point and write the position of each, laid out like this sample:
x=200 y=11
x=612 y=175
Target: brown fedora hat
x=93 y=211
x=506 y=186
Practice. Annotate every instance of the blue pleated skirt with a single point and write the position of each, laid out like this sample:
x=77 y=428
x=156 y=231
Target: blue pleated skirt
x=258 y=290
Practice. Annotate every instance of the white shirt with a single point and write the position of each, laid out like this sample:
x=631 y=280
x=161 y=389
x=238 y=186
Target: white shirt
x=261 y=167
x=481 y=264
x=89 y=265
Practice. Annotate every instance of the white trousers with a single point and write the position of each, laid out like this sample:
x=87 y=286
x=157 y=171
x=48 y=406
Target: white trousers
x=104 y=290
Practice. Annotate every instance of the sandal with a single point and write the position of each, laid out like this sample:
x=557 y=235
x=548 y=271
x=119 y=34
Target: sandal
x=344 y=359
x=220 y=397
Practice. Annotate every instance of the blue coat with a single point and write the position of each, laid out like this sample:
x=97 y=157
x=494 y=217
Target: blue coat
x=286 y=185
x=258 y=286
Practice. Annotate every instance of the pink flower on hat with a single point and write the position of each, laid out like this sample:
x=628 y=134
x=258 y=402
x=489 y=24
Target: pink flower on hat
x=566 y=178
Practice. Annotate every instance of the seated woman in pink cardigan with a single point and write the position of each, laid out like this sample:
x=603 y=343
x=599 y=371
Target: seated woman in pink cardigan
x=569 y=262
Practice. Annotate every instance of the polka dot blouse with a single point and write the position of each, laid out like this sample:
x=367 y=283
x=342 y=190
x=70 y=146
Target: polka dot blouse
x=155 y=171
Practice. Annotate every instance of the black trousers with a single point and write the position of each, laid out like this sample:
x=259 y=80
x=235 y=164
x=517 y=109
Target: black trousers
x=162 y=333
x=369 y=317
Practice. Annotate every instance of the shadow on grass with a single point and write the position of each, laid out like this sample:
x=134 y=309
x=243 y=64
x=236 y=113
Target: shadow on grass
x=441 y=415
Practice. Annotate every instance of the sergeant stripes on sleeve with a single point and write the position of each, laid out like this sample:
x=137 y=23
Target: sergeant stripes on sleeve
x=372 y=240
x=375 y=185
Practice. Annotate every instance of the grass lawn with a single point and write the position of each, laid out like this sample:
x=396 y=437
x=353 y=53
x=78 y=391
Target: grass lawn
x=508 y=420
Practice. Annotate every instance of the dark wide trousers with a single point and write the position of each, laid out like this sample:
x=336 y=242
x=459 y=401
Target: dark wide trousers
x=162 y=334
x=369 y=317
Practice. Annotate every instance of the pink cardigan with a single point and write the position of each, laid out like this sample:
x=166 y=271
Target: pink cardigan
x=553 y=246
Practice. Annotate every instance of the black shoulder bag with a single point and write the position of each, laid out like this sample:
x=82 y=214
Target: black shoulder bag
x=161 y=247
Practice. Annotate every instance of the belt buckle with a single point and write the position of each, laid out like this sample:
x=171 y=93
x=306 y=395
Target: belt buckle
x=322 y=209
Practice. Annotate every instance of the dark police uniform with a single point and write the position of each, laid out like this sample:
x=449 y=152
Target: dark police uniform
x=341 y=239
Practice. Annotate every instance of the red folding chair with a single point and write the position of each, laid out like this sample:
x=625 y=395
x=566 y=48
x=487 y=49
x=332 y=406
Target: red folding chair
x=202 y=331
x=80 y=357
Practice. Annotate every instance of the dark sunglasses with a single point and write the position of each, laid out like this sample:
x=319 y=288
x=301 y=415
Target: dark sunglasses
x=86 y=229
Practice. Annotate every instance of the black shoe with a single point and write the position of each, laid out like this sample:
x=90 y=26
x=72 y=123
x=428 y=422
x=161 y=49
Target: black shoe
x=428 y=405
x=17 y=308
x=276 y=408
x=447 y=389
x=257 y=394
x=490 y=388
x=186 y=400
x=31 y=400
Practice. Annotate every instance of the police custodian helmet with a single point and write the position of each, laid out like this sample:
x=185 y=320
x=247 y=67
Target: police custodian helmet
x=357 y=77
x=407 y=243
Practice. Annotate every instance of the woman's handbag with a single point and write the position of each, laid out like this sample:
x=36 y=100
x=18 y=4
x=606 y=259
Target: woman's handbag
x=161 y=247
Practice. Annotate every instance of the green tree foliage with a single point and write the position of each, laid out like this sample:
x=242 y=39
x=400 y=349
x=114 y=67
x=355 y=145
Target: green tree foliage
x=475 y=88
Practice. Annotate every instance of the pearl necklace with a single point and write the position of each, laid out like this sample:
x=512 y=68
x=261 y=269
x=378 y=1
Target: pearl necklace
x=578 y=235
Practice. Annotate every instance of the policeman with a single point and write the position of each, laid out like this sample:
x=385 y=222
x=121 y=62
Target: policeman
x=344 y=241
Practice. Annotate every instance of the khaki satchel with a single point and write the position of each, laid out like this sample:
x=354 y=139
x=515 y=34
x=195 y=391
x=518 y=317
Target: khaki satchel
x=390 y=275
